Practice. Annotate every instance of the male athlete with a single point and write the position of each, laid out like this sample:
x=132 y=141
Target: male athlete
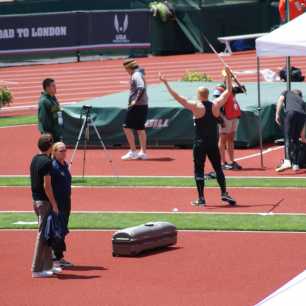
x=206 y=114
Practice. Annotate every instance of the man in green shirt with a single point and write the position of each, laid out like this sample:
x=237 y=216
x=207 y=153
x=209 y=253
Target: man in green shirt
x=50 y=118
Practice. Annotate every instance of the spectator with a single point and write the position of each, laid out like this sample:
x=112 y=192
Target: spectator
x=297 y=8
x=61 y=184
x=44 y=202
x=137 y=111
x=293 y=125
x=50 y=118
x=230 y=114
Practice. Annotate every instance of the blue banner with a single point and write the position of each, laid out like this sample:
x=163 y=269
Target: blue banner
x=74 y=31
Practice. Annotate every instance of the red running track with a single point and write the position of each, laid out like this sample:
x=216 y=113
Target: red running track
x=19 y=145
x=232 y=269
x=79 y=81
x=249 y=200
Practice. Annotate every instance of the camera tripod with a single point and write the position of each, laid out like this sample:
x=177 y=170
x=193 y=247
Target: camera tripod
x=87 y=122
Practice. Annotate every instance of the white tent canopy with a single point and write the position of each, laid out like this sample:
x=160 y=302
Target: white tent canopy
x=287 y=40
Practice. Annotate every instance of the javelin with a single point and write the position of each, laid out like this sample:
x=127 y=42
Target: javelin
x=223 y=62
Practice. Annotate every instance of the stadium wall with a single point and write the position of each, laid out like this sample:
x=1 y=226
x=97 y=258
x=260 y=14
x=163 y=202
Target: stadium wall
x=217 y=18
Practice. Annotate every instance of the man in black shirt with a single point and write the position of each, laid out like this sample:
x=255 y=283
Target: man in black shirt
x=44 y=202
x=206 y=116
x=294 y=121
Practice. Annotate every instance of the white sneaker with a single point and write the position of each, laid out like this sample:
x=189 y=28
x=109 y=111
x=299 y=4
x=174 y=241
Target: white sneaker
x=56 y=267
x=57 y=270
x=284 y=166
x=43 y=274
x=142 y=156
x=130 y=155
x=295 y=167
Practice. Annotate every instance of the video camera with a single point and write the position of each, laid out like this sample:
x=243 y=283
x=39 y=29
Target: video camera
x=85 y=111
x=238 y=90
x=86 y=108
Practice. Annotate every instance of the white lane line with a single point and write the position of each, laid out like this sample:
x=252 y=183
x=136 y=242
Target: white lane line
x=17 y=126
x=4 y=82
x=182 y=231
x=89 y=212
x=163 y=187
x=26 y=223
x=160 y=176
x=258 y=154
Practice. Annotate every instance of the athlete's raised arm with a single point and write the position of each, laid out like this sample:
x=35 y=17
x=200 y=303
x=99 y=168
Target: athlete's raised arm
x=219 y=102
x=192 y=106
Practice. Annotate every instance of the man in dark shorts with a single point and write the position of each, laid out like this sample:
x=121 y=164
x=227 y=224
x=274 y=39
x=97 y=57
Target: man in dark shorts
x=43 y=202
x=206 y=116
x=50 y=119
x=136 y=116
x=294 y=121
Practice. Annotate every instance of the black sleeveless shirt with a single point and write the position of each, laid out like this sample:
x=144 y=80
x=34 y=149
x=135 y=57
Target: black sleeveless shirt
x=206 y=127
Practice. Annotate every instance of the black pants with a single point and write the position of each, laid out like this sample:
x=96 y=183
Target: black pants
x=64 y=210
x=293 y=125
x=200 y=152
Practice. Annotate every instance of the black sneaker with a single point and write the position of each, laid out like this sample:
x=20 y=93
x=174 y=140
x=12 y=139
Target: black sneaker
x=211 y=175
x=200 y=202
x=227 y=198
x=65 y=264
x=224 y=166
x=236 y=166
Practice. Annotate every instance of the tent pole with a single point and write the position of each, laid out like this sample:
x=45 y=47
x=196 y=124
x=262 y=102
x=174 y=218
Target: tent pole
x=259 y=109
x=288 y=60
x=288 y=65
x=288 y=69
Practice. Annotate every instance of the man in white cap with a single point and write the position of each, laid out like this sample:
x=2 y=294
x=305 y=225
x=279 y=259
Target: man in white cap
x=136 y=116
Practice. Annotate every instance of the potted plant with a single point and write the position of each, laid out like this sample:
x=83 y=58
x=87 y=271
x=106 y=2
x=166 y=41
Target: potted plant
x=6 y=96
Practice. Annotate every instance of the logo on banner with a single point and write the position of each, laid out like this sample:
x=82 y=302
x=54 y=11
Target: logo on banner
x=157 y=123
x=121 y=29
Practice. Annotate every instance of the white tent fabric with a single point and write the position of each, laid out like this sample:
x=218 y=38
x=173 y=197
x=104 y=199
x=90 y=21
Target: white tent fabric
x=287 y=40
x=293 y=293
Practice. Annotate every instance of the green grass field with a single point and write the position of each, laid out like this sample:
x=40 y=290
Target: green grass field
x=17 y=120
x=165 y=181
x=187 y=221
x=190 y=221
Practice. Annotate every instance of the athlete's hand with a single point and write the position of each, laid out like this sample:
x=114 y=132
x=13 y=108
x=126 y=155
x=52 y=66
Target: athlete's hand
x=132 y=103
x=162 y=78
x=277 y=119
x=55 y=209
x=228 y=71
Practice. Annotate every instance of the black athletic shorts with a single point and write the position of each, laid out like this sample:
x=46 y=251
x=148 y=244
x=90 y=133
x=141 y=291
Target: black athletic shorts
x=136 y=117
